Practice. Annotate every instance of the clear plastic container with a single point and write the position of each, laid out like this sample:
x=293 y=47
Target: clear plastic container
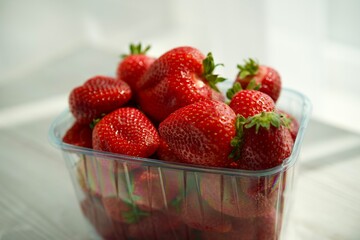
x=124 y=197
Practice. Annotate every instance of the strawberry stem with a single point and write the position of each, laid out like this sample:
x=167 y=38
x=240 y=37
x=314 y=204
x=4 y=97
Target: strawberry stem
x=209 y=67
x=136 y=50
x=250 y=68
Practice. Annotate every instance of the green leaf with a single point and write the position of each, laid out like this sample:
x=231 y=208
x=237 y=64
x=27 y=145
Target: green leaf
x=237 y=141
x=250 y=68
x=230 y=93
x=266 y=120
x=253 y=85
x=209 y=67
x=136 y=49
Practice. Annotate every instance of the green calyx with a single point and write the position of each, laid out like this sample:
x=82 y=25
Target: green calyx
x=96 y=120
x=237 y=141
x=136 y=49
x=209 y=67
x=250 y=68
x=134 y=214
x=230 y=93
x=266 y=120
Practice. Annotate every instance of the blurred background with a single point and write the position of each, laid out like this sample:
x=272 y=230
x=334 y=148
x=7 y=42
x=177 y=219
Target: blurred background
x=49 y=47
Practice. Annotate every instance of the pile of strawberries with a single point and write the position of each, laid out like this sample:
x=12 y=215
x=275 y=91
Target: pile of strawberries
x=171 y=109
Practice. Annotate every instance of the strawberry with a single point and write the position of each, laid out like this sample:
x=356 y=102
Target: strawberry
x=256 y=228
x=98 y=96
x=156 y=226
x=133 y=66
x=121 y=211
x=164 y=152
x=266 y=142
x=233 y=195
x=126 y=131
x=267 y=78
x=197 y=214
x=178 y=78
x=200 y=133
x=152 y=189
x=251 y=102
x=93 y=210
x=79 y=135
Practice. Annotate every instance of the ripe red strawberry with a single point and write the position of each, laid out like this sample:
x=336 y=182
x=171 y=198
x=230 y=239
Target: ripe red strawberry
x=156 y=226
x=98 y=96
x=266 y=142
x=94 y=211
x=251 y=102
x=230 y=195
x=79 y=135
x=133 y=66
x=121 y=211
x=164 y=152
x=267 y=77
x=178 y=78
x=197 y=214
x=152 y=189
x=200 y=133
x=256 y=228
x=126 y=131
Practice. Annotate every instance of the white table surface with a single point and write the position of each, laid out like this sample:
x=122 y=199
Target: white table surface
x=37 y=200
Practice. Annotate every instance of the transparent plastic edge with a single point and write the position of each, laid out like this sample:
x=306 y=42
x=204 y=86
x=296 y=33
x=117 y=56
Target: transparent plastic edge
x=307 y=108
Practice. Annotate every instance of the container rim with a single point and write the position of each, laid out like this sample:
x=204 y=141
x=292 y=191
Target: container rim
x=57 y=142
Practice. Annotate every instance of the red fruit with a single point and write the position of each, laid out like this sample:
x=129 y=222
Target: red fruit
x=235 y=196
x=121 y=211
x=94 y=211
x=126 y=131
x=267 y=77
x=153 y=189
x=133 y=66
x=266 y=143
x=98 y=96
x=178 y=78
x=243 y=229
x=157 y=226
x=196 y=213
x=248 y=103
x=79 y=135
x=293 y=125
x=201 y=133
x=164 y=152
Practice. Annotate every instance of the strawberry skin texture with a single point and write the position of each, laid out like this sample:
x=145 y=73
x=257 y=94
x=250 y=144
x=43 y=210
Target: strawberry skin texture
x=79 y=135
x=265 y=149
x=251 y=102
x=98 y=95
x=269 y=79
x=200 y=133
x=132 y=68
x=164 y=152
x=126 y=131
x=173 y=81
